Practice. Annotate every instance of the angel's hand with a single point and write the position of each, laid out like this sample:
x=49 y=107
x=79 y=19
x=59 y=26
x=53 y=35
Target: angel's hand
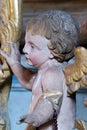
x=30 y=119
x=22 y=119
x=26 y=119
x=14 y=56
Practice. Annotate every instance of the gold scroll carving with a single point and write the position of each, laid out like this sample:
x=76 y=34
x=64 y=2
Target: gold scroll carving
x=10 y=31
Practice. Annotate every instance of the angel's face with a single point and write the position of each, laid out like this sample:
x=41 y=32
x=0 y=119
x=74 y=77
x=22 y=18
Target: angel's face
x=36 y=49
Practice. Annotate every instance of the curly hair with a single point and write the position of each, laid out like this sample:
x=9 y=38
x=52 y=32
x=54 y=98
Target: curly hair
x=60 y=28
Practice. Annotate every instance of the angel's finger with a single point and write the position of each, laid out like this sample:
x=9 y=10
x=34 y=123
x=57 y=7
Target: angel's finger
x=12 y=47
x=16 y=46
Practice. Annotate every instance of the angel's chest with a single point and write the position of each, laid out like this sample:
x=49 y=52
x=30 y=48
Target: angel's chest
x=37 y=85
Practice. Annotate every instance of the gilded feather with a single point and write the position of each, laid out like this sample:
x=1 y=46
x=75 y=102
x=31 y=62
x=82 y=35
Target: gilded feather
x=76 y=73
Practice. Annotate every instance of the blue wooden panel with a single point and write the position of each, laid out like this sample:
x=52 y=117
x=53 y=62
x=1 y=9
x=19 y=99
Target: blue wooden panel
x=18 y=104
x=81 y=110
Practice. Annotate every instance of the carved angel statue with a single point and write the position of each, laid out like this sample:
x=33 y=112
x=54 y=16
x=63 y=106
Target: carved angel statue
x=10 y=31
x=50 y=39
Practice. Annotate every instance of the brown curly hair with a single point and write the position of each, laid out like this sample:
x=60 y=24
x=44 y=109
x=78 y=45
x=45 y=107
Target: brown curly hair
x=60 y=28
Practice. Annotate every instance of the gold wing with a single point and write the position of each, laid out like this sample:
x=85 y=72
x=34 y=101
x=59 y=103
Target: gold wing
x=76 y=74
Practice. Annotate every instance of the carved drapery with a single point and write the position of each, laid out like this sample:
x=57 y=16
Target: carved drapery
x=10 y=31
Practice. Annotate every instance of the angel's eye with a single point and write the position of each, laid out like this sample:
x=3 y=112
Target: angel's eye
x=32 y=46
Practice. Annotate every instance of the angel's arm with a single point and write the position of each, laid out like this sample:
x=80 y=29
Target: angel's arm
x=49 y=102
x=24 y=75
x=43 y=111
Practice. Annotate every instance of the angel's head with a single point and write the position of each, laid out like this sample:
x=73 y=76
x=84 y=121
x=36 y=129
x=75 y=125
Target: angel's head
x=60 y=28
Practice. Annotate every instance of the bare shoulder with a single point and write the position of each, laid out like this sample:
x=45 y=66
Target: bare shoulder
x=53 y=78
x=54 y=71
